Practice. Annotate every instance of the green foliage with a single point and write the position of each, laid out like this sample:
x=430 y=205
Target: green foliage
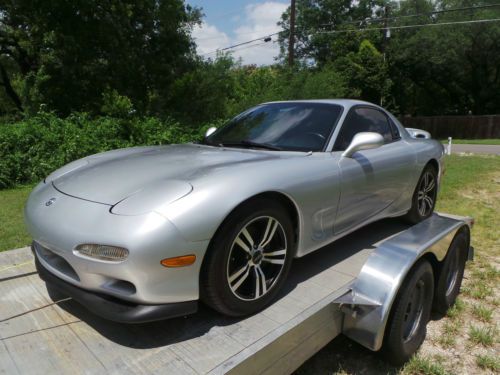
x=65 y=54
x=420 y=365
x=31 y=149
x=366 y=72
x=116 y=105
x=488 y=362
x=426 y=71
x=485 y=336
x=202 y=94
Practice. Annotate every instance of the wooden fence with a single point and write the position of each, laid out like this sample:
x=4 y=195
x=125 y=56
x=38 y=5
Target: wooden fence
x=460 y=127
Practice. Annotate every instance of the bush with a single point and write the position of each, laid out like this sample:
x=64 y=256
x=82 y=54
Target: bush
x=31 y=149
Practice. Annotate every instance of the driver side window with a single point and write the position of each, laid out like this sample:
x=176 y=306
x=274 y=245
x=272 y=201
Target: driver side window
x=362 y=119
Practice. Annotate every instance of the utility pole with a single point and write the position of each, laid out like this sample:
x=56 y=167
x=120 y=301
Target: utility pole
x=386 y=31
x=291 y=39
x=385 y=39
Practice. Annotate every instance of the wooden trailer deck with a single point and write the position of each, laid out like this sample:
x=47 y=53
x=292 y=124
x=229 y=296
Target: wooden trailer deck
x=66 y=338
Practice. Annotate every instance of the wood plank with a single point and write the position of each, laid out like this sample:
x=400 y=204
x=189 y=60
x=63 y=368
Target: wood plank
x=50 y=351
x=7 y=364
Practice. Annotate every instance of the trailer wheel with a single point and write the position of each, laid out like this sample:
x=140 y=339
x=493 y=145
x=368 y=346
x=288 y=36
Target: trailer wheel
x=406 y=328
x=451 y=275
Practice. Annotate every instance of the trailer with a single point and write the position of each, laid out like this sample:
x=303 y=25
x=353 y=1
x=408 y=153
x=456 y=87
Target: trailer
x=371 y=286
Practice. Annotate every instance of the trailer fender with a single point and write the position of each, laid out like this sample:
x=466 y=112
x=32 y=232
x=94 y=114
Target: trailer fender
x=368 y=302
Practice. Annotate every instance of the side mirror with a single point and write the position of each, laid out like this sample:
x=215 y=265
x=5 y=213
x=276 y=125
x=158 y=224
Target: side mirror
x=363 y=141
x=210 y=131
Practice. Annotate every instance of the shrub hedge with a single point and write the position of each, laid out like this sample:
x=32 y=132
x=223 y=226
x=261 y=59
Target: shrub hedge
x=31 y=149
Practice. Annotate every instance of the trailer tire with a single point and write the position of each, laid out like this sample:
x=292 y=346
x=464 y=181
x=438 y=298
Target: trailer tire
x=406 y=328
x=451 y=274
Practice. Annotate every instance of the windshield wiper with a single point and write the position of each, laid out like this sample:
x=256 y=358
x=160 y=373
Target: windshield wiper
x=246 y=143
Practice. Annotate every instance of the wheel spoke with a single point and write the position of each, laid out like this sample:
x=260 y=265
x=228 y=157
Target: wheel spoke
x=275 y=253
x=429 y=201
x=241 y=244
x=234 y=277
x=430 y=186
x=257 y=283
x=273 y=261
x=247 y=236
x=260 y=282
x=421 y=208
x=271 y=227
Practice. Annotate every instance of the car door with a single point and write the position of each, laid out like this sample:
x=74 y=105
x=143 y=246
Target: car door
x=371 y=180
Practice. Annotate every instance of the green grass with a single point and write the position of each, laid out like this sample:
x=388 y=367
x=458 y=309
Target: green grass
x=470 y=188
x=481 y=335
x=488 y=362
x=494 y=141
x=457 y=309
x=450 y=331
x=479 y=291
x=12 y=231
x=482 y=313
x=419 y=365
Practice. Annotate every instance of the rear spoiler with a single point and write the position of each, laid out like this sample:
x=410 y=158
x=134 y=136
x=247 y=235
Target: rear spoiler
x=418 y=133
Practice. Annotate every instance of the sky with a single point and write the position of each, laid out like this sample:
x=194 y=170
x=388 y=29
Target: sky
x=229 y=22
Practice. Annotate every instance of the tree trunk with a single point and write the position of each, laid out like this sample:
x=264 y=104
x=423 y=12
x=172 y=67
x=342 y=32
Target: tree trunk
x=9 y=89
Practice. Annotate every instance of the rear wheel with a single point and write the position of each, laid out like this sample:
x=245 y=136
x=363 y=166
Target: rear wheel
x=424 y=196
x=407 y=325
x=248 y=260
x=451 y=275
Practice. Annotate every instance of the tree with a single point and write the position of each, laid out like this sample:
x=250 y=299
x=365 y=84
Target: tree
x=428 y=70
x=66 y=54
x=366 y=73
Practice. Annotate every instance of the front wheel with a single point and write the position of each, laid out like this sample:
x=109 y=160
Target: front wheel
x=248 y=259
x=424 y=196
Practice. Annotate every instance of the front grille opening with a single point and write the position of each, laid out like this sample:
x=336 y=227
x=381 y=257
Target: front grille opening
x=56 y=261
x=120 y=286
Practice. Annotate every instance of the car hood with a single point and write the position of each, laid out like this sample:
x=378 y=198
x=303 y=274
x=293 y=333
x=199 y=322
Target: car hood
x=113 y=176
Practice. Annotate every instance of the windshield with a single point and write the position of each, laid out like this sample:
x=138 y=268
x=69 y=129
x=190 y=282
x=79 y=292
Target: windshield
x=289 y=126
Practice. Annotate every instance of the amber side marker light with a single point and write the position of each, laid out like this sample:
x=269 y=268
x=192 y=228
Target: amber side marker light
x=182 y=261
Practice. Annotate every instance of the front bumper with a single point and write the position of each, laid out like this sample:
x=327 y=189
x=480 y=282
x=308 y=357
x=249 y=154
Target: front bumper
x=113 y=308
x=60 y=227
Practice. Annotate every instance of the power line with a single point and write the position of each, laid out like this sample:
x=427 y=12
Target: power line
x=407 y=26
x=253 y=45
x=376 y=20
x=242 y=43
x=382 y=19
x=238 y=34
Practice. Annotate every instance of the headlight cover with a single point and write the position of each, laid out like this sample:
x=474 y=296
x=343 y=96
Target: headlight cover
x=102 y=252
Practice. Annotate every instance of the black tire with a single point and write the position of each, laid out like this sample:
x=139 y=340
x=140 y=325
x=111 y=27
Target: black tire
x=415 y=214
x=407 y=324
x=215 y=288
x=451 y=274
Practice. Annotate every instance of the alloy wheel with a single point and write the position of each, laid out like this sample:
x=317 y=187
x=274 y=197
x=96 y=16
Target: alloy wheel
x=426 y=194
x=256 y=258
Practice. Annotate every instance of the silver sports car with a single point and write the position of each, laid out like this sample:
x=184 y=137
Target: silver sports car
x=142 y=234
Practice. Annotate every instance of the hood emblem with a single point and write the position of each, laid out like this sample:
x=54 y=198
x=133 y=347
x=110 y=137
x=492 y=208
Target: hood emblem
x=50 y=201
